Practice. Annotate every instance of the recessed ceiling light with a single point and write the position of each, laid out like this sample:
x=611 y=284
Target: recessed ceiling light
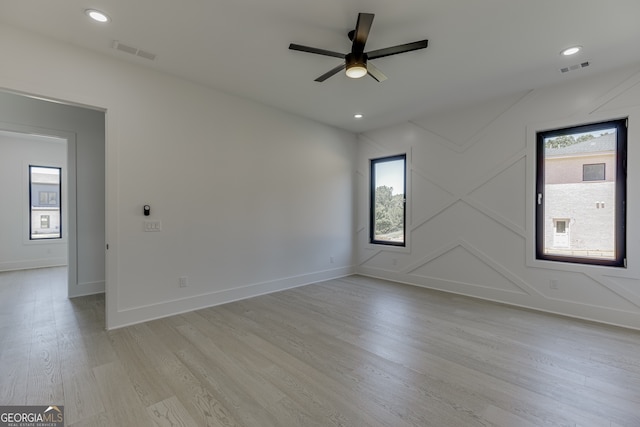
x=96 y=15
x=571 y=50
x=358 y=116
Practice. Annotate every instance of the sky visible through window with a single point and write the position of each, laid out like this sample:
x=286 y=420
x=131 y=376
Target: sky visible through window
x=50 y=171
x=391 y=174
x=576 y=136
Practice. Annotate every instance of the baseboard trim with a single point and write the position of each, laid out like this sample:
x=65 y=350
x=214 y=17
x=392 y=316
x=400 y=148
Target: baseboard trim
x=32 y=263
x=631 y=320
x=131 y=316
x=87 y=288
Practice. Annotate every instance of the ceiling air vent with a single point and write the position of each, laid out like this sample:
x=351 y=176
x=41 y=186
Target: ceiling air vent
x=574 y=67
x=133 y=50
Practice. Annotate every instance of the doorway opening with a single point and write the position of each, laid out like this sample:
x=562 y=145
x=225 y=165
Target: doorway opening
x=79 y=135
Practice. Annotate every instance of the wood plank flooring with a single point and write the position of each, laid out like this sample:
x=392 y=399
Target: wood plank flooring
x=350 y=352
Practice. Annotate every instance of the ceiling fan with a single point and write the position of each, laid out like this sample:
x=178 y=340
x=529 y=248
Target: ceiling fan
x=356 y=62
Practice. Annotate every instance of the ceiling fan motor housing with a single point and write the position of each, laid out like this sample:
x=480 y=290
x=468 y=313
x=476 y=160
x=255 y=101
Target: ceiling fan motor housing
x=356 y=58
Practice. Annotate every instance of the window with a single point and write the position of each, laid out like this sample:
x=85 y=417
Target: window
x=387 y=201
x=48 y=198
x=45 y=213
x=580 y=211
x=594 y=172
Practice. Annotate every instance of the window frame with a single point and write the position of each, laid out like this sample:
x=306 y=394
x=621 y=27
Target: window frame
x=620 y=226
x=372 y=197
x=30 y=204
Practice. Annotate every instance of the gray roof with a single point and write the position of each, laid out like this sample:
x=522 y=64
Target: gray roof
x=45 y=178
x=596 y=145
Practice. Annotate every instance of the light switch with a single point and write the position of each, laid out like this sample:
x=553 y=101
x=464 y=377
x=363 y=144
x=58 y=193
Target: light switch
x=152 y=226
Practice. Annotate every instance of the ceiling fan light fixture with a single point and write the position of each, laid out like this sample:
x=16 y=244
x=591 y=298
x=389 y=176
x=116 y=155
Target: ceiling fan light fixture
x=356 y=65
x=355 y=71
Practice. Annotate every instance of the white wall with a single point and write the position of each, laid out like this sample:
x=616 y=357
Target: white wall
x=251 y=200
x=17 y=152
x=470 y=201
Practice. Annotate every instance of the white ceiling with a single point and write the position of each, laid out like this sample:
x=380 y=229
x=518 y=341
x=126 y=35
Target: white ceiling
x=478 y=49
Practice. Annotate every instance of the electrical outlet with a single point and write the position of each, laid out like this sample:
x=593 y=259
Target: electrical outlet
x=183 y=281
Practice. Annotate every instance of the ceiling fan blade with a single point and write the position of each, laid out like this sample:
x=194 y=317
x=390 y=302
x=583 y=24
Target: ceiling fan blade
x=365 y=20
x=331 y=72
x=375 y=73
x=394 y=50
x=315 y=50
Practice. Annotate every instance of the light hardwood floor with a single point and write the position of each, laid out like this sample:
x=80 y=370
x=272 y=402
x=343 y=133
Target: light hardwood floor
x=348 y=352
